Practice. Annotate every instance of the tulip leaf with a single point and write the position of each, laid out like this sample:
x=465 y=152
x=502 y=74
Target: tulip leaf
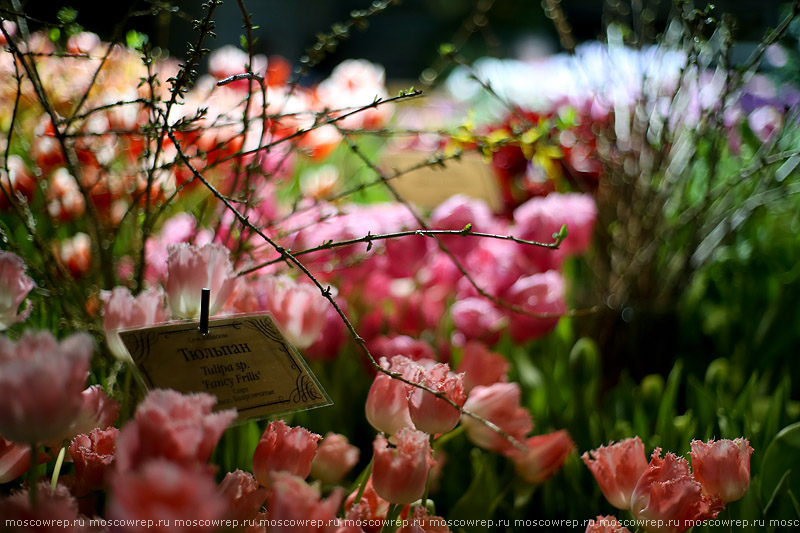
x=780 y=467
x=783 y=486
x=476 y=503
x=667 y=409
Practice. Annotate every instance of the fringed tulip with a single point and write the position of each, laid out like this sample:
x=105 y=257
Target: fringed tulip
x=421 y=522
x=499 y=403
x=284 y=449
x=722 y=467
x=298 y=308
x=668 y=499
x=122 y=310
x=182 y=227
x=334 y=459
x=617 y=468
x=244 y=495
x=14 y=288
x=93 y=455
x=545 y=455
x=51 y=504
x=42 y=379
x=98 y=411
x=164 y=493
x=294 y=502
x=400 y=474
x=370 y=509
x=606 y=524
x=192 y=268
x=387 y=400
x=173 y=426
x=481 y=366
x=431 y=414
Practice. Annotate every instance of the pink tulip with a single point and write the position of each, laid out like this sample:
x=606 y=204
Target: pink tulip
x=98 y=411
x=406 y=255
x=536 y=294
x=499 y=403
x=122 y=310
x=387 y=400
x=333 y=336
x=722 y=467
x=545 y=455
x=244 y=495
x=14 y=287
x=292 y=501
x=173 y=426
x=334 y=459
x=182 y=227
x=478 y=319
x=389 y=346
x=299 y=308
x=41 y=381
x=192 y=268
x=617 y=468
x=540 y=217
x=93 y=454
x=15 y=459
x=494 y=265
x=431 y=414
x=454 y=214
x=400 y=474
x=669 y=495
x=606 y=524
x=481 y=366
x=284 y=449
x=163 y=492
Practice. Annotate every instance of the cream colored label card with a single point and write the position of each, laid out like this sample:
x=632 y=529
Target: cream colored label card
x=243 y=360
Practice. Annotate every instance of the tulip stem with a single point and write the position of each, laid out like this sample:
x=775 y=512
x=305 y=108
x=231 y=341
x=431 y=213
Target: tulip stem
x=427 y=483
x=57 y=468
x=364 y=478
x=390 y=524
x=33 y=475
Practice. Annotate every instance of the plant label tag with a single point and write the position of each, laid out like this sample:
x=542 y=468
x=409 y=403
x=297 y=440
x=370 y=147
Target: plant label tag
x=244 y=360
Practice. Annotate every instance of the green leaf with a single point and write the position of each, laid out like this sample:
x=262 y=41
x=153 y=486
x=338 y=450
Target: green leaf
x=781 y=460
x=476 y=503
x=667 y=408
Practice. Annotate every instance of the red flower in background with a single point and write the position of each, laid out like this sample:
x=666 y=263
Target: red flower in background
x=545 y=455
